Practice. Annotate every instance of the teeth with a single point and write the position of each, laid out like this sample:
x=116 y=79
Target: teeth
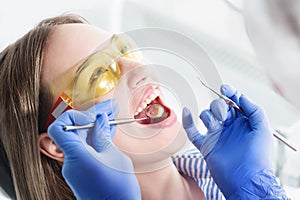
x=156 y=92
x=140 y=110
x=150 y=98
x=144 y=104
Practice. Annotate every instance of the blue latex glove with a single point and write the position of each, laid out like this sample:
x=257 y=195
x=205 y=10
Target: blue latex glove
x=93 y=166
x=237 y=148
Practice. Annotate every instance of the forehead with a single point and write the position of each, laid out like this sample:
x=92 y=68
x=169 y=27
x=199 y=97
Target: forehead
x=67 y=46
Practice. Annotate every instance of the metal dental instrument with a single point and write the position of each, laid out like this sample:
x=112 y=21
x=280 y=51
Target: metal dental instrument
x=276 y=133
x=153 y=112
x=114 y=122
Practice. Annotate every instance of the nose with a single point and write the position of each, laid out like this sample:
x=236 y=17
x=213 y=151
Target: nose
x=136 y=72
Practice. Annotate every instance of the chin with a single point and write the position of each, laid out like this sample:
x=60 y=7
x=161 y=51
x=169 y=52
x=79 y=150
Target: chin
x=154 y=152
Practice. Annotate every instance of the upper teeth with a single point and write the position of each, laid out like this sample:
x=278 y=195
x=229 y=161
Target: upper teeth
x=150 y=98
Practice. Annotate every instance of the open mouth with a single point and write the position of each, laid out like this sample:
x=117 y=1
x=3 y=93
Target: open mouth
x=153 y=109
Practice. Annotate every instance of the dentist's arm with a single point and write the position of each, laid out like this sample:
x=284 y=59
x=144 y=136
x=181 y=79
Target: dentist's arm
x=93 y=166
x=238 y=151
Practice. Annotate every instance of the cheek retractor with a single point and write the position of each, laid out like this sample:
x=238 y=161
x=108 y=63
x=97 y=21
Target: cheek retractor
x=154 y=113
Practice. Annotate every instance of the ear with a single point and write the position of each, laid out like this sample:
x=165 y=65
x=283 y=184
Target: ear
x=49 y=148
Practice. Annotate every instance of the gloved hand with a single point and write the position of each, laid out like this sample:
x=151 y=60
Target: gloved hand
x=93 y=166
x=237 y=148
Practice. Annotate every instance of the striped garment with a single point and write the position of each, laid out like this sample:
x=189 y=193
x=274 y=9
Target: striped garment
x=192 y=164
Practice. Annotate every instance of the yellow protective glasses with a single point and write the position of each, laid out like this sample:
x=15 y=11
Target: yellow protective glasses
x=98 y=75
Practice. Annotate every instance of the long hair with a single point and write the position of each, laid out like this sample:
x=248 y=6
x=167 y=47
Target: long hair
x=24 y=103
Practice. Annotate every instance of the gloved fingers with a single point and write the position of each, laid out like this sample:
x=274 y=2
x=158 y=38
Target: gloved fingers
x=101 y=133
x=219 y=109
x=66 y=138
x=188 y=124
x=256 y=115
x=115 y=109
x=231 y=116
x=210 y=121
x=113 y=129
x=222 y=111
x=230 y=92
x=214 y=129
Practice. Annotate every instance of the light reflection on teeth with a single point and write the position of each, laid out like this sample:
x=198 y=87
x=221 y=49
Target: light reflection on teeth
x=148 y=100
x=139 y=110
x=144 y=104
x=152 y=97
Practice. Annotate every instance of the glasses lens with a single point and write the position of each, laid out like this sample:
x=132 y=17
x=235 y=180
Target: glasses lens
x=126 y=47
x=98 y=75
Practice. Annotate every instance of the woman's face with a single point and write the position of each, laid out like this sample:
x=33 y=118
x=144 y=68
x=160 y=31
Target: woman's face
x=68 y=47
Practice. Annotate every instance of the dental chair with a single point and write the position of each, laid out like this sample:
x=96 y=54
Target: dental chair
x=6 y=183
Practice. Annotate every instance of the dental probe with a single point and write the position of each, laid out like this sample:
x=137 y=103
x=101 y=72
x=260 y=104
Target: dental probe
x=113 y=122
x=233 y=104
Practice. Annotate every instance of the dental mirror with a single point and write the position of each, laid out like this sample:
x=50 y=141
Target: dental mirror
x=155 y=113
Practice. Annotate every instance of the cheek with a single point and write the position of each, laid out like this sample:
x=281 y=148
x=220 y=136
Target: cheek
x=93 y=102
x=107 y=96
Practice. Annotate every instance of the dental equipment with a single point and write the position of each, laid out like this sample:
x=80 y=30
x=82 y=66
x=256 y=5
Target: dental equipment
x=113 y=122
x=153 y=111
x=228 y=101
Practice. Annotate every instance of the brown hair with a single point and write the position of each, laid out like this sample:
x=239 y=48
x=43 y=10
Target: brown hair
x=24 y=104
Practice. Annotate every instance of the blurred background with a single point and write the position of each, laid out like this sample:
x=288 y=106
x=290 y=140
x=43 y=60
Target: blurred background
x=216 y=25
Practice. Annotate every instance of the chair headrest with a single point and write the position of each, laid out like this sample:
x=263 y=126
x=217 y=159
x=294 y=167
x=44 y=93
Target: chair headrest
x=6 y=182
